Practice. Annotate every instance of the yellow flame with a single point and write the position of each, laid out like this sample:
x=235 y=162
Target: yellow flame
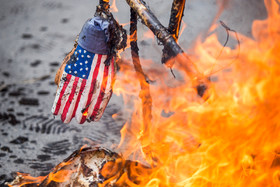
x=229 y=139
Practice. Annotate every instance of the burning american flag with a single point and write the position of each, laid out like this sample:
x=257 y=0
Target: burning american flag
x=85 y=86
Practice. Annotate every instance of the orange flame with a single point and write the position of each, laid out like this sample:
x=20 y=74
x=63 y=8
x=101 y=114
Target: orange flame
x=61 y=173
x=27 y=179
x=232 y=138
x=184 y=25
x=85 y=113
x=113 y=7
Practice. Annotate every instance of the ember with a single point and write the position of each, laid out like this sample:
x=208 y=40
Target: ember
x=228 y=137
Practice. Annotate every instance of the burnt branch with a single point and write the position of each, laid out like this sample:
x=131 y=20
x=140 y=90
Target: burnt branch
x=104 y=4
x=162 y=34
x=177 y=12
x=117 y=35
x=150 y=20
x=145 y=88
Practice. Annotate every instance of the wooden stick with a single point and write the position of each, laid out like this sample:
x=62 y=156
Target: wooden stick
x=104 y=4
x=149 y=19
x=177 y=12
x=145 y=88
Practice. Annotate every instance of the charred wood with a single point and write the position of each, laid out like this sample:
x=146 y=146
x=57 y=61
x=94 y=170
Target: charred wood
x=177 y=12
x=150 y=20
x=162 y=34
x=145 y=88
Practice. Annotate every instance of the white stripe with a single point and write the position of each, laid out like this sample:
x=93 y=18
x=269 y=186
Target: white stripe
x=66 y=94
x=73 y=103
x=64 y=74
x=98 y=86
x=84 y=96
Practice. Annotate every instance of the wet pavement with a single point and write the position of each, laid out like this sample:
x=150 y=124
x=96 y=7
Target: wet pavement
x=35 y=36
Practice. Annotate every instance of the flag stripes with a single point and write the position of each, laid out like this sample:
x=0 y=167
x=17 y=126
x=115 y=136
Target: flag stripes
x=84 y=98
x=92 y=89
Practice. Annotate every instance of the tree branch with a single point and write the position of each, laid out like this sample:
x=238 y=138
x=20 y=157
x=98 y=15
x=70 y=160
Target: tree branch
x=177 y=12
x=145 y=88
x=150 y=20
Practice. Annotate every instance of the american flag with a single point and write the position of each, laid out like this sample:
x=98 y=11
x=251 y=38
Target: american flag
x=85 y=87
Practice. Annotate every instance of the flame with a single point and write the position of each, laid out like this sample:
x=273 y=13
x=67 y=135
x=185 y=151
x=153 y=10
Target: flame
x=184 y=25
x=61 y=173
x=124 y=24
x=85 y=113
x=149 y=35
x=26 y=179
x=113 y=7
x=229 y=139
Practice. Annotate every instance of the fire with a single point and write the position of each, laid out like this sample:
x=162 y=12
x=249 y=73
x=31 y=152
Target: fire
x=230 y=139
x=85 y=113
x=184 y=25
x=26 y=179
x=148 y=35
x=113 y=7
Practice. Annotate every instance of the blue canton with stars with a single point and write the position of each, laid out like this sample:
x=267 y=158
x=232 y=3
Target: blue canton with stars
x=80 y=62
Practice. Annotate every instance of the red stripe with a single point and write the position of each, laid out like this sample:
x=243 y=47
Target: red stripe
x=93 y=82
x=112 y=81
x=79 y=97
x=70 y=98
x=65 y=84
x=101 y=93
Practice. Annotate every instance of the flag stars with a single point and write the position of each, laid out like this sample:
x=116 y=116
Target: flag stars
x=80 y=63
